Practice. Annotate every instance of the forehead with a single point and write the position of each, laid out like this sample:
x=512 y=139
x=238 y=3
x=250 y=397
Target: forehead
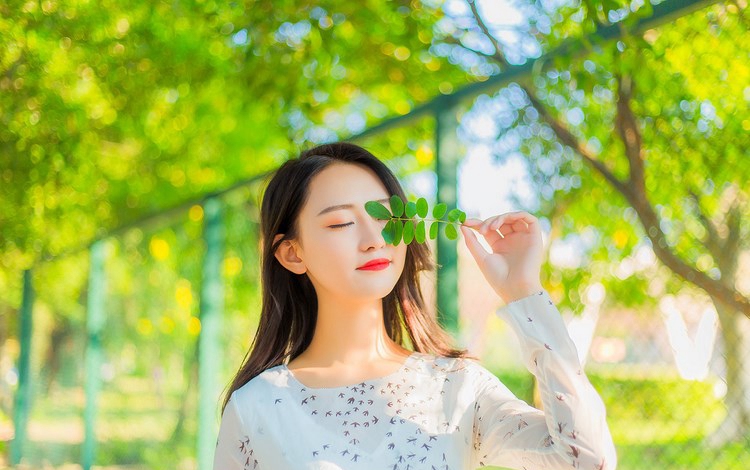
x=343 y=184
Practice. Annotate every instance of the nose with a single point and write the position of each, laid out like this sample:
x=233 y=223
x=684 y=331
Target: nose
x=372 y=236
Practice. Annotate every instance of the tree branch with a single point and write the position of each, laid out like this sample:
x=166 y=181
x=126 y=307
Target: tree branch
x=562 y=132
x=627 y=127
x=634 y=189
x=732 y=242
x=498 y=55
x=715 y=288
x=713 y=240
x=567 y=138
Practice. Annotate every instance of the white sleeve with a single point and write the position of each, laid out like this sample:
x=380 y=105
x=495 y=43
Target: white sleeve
x=234 y=449
x=572 y=432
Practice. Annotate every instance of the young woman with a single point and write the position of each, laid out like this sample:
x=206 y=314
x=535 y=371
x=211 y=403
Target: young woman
x=330 y=382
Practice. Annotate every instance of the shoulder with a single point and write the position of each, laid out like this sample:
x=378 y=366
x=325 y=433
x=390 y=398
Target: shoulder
x=471 y=370
x=442 y=365
x=465 y=373
x=258 y=389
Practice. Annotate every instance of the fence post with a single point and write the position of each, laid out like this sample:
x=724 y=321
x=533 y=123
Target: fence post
x=94 y=324
x=446 y=161
x=23 y=392
x=211 y=307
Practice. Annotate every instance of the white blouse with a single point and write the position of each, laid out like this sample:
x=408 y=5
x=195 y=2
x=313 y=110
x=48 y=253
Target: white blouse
x=433 y=413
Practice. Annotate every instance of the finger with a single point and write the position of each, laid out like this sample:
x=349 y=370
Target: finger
x=511 y=227
x=472 y=243
x=521 y=225
x=472 y=221
x=491 y=235
x=513 y=222
x=487 y=224
x=499 y=226
x=483 y=227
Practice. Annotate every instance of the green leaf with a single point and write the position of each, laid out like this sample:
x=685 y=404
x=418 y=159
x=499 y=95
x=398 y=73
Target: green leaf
x=454 y=215
x=450 y=232
x=411 y=209
x=439 y=210
x=399 y=231
x=419 y=234
x=397 y=206
x=388 y=232
x=434 y=227
x=422 y=209
x=408 y=231
x=402 y=227
x=377 y=210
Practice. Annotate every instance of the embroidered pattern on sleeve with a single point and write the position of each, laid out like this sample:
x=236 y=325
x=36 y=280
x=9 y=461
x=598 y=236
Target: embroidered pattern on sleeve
x=248 y=453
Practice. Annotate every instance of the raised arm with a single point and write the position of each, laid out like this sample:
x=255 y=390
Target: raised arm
x=572 y=432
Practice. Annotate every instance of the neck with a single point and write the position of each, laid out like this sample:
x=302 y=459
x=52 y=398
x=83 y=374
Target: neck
x=350 y=333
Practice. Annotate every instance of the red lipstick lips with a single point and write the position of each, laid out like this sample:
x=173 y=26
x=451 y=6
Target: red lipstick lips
x=375 y=265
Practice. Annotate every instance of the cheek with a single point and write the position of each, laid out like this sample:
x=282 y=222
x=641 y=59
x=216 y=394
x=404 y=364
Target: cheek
x=400 y=254
x=330 y=251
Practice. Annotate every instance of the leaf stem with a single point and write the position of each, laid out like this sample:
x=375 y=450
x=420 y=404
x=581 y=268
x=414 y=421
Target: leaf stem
x=417 y=220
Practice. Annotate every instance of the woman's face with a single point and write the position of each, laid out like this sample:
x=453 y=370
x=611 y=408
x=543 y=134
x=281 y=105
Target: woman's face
x=337 y=236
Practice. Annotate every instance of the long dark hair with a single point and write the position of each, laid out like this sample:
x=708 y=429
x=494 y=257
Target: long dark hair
x=289 y=311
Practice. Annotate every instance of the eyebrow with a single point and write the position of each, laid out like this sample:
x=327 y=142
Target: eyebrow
x=344 y=206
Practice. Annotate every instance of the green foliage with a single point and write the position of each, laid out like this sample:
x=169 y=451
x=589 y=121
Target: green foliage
x=656 y=420
x=519 y=382
x=404 y=228
x=689 y=79
x=115 y=110
x=642 y=399
x=687 y=407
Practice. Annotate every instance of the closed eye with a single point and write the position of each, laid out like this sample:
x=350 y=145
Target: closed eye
x=340 y=225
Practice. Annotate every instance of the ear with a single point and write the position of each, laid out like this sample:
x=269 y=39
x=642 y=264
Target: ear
x=286 y=253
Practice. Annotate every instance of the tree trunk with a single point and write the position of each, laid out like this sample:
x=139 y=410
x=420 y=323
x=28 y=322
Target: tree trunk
x=61 y=333
x=737 y=421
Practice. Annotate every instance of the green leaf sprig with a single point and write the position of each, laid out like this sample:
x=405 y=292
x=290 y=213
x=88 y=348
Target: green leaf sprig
x=402 y=226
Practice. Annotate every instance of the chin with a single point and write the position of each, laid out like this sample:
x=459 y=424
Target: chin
x=378 y=294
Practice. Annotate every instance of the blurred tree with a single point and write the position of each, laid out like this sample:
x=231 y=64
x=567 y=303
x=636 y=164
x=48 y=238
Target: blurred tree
x=112 y=110
x=653 y=127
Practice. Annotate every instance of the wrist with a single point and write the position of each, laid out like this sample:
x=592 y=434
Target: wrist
x=520 y=291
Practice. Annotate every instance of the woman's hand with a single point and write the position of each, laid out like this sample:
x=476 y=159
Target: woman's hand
x=513 y=267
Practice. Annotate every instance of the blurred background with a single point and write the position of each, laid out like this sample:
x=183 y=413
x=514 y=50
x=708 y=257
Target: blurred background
x=135 y=137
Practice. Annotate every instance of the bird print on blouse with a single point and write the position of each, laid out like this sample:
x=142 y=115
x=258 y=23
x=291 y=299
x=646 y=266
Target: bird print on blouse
x=244 y=447
x=390 y=409
x=434 y=413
